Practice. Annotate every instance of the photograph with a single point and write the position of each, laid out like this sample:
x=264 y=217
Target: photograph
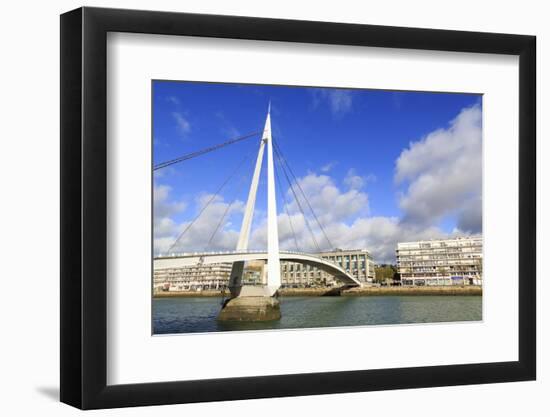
x=302 y=207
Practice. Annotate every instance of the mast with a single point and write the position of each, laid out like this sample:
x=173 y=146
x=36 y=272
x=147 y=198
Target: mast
x=273 y=261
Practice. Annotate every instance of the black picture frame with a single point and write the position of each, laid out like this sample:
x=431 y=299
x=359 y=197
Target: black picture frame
x=84 y=207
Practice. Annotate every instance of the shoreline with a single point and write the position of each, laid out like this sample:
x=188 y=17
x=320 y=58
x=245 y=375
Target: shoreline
x=352 y=292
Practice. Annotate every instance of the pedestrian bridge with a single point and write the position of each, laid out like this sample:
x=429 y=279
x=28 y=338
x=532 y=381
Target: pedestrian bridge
x=190 y=259
x=272 y=255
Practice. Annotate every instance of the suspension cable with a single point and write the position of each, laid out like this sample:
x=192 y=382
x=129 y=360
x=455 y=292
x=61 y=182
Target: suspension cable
x=298 y=202
x=218 y=225
x=226 y=211
x=202 y=151
x=285 y=205
x=303 y=194
x=208 y=202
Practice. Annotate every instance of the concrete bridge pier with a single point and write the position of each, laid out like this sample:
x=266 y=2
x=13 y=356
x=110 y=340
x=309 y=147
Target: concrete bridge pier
x=253 y=303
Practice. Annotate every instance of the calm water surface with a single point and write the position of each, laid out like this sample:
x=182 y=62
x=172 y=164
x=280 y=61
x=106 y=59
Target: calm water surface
x=198 y=314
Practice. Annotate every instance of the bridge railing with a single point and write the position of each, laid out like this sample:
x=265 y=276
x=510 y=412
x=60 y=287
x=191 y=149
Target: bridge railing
x=248 y=251
x=188 y=254
x=201 y=254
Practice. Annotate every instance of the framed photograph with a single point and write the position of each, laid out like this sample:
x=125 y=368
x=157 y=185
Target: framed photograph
x=257 y=208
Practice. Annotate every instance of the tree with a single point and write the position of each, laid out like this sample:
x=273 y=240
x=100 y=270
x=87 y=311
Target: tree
x=384 y=272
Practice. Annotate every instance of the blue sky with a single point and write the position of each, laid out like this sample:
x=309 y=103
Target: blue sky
x=387 y=157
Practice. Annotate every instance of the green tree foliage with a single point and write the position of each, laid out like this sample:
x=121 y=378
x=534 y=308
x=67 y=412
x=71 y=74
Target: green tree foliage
x=384 y=272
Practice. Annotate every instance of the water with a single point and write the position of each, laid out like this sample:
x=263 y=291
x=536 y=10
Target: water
x=198 y=314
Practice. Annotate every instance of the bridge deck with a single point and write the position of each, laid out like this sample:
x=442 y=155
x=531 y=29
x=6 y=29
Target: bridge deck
x=189 y=259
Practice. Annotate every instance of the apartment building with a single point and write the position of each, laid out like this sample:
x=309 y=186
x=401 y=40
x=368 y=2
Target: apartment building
x=192 y=278
x=357 y=262
x=457 y=261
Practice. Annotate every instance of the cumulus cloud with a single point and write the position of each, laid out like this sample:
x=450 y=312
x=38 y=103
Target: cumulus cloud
x=380 y=235
x=163 y=210
x=377 y=234
x=162 y=206
x=329 y=202
x=340 y=101
x=197 y=236
x=442 y=172
x=469 y=219
x=353 y=180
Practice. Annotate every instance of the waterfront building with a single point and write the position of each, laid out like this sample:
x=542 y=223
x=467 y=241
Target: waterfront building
x=357 y=262
x=192 y=278
x=457 y=261
x=198 y=277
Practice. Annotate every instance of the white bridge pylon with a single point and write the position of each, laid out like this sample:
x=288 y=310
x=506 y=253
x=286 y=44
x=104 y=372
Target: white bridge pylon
x=273 y=262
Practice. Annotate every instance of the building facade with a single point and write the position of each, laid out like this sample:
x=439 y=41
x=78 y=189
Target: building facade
x=457 y=261
x=192 y=278
x=293 y=275
x=357 y=262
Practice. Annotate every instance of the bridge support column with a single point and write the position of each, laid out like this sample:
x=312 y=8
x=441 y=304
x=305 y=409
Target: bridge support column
x=251 y=308
x=236 y=277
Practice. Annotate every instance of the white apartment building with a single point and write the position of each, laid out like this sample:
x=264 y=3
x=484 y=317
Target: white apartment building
x=357 y=262
x=457 y=261
x=192 y=278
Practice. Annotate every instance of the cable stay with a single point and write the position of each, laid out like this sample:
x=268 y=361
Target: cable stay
x=285 y=205
x=210 y=200
x=288 y=174
x=279 y=156
x=203 y=151
x=222 y=220
x=285 y=162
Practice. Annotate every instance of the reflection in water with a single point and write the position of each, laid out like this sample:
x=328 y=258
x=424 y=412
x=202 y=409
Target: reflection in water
x=198 y=314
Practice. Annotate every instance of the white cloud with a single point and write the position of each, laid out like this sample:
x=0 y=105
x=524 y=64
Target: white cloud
x=163 y=210
x=196 y=237
x=329 y=202
x=339 y=101
x=332 y=206
x=173 y=100
x=378 y=234
x=182 y=122
x=443 y=173
x=470 y=218
x=328 y=166
x=352 y=180
x=162 y=207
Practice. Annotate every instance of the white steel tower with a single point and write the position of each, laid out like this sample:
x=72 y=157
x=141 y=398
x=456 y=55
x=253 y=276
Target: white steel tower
x=273 y=262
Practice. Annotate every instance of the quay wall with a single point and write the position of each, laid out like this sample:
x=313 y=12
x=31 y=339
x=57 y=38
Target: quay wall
x=365 y=291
